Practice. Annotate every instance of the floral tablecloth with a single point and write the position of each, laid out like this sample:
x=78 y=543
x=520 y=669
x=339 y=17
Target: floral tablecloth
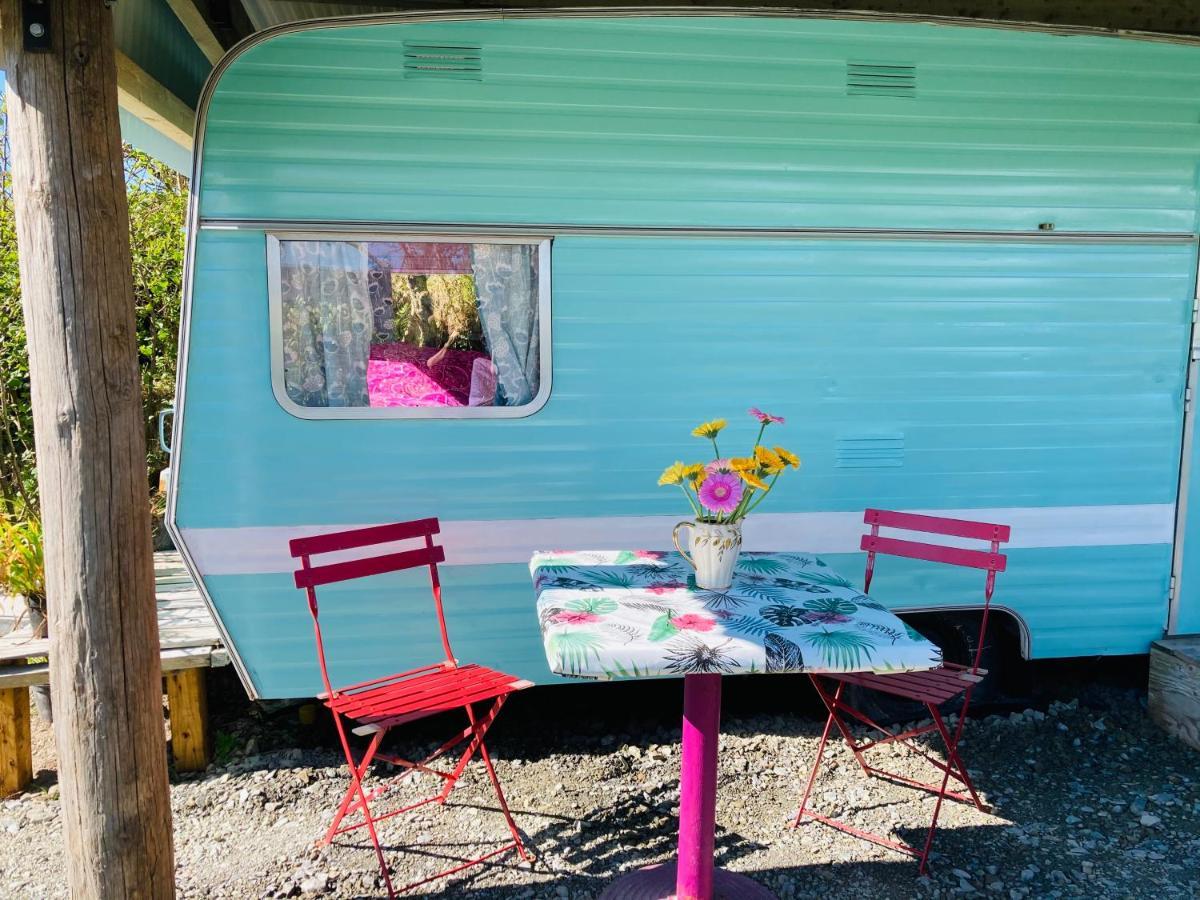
x=637 y=614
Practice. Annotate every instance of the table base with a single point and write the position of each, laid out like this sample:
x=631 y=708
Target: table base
x=658 y=883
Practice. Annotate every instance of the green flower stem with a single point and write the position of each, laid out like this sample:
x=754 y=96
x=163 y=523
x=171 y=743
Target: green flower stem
x=750 y=508
x=691 y=503
x=741 y=510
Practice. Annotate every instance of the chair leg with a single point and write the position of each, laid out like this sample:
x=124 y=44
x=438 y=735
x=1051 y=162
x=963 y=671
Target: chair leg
x=954 y=767
x=487 y=762
x=937 y=810
x=953 y=761
x=812 y=776
x=348 y=799
x=833 y=704
x=477 y=730
x=357 y=786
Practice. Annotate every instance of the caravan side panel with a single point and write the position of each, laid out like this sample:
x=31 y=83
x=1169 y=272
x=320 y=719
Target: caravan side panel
x=1035 y=381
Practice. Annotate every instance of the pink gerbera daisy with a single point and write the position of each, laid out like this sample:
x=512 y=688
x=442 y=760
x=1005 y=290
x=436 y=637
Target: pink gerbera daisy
x=765 y=418
x=718 y=465
x=721 y=492
x=693 y=622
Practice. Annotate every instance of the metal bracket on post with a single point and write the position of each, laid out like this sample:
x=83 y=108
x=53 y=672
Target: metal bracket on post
x=35 y=25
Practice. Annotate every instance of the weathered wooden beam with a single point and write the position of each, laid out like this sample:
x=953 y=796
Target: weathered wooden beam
x=72 y=225
x=189 y=14
x=187 y=701
x=16 y=750
x=147 y=99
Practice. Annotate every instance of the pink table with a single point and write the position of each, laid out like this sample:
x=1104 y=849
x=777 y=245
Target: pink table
x=633 y=614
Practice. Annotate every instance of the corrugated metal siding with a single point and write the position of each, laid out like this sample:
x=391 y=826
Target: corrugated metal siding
x=1018 y=375
x=1000 y=374
x=736 y=122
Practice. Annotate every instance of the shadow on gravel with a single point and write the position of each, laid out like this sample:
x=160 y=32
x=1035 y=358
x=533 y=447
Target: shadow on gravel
x=594 y=845
x=859 y=880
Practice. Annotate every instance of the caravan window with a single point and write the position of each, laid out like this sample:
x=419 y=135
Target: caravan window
x=409 y=327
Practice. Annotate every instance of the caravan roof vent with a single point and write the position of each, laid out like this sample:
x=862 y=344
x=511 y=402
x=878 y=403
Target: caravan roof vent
x=451 y=61
x=881 y=79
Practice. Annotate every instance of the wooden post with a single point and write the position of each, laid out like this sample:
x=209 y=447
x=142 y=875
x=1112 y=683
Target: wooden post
x=187 y=700
x=16 y=752
x=77 y=294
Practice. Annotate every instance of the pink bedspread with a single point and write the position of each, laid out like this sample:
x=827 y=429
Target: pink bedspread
x=400 y=375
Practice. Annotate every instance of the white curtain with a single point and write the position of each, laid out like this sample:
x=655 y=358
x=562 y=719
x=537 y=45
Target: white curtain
x=506 y=284
x=327 y=322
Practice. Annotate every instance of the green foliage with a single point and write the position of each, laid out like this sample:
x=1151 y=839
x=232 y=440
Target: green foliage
x=18 y=482
x=157 y=208
x=437 y=311
x=224 y=746
x=158 y=198
x=22 y=566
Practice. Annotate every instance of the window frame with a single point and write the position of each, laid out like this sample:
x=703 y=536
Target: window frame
x=275 y=327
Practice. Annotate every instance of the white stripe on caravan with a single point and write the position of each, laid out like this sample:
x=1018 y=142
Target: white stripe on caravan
x=245 y=551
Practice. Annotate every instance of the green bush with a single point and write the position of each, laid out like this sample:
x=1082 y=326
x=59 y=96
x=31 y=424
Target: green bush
x=157 y=210
x=22 y=566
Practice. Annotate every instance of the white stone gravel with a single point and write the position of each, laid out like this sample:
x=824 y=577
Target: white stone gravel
x=1090 y=801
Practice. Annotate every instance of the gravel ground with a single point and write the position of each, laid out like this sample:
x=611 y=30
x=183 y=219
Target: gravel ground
x=1091 y=800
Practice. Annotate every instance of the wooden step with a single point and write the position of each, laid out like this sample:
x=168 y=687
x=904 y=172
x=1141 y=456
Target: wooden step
x=1175 y=686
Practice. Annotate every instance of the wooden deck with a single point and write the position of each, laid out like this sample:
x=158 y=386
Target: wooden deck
x=190 y=644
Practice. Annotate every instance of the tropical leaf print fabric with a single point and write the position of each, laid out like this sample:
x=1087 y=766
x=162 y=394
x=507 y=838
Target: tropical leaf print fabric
x=637 y=614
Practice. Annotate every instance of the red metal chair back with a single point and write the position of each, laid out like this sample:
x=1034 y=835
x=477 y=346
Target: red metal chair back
x=992 y=560
x=309 y=577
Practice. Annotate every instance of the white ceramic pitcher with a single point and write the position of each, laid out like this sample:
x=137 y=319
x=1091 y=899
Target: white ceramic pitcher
x=714 y=551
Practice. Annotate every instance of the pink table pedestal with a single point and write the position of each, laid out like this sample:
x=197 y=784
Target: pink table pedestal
x=693 y=876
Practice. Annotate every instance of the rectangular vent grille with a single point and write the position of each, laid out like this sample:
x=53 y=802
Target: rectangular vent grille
x=870 y=451
x=454 y=62
x=881 y=79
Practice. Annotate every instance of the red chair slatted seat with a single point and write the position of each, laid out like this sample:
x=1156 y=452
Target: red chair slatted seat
x=934 y=688
x=374 y=707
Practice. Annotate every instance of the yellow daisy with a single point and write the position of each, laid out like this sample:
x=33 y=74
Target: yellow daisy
x=769 y=460
x=743 y=464
x=672 y=474
x=694 y=473
x=788 y=457
x=709 y=429
x=753 y=480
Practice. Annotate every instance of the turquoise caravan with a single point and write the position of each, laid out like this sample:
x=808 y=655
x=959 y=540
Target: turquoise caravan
x=494 y=267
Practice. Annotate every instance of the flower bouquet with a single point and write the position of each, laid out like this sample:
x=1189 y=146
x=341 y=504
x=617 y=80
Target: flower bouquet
x=722 y=493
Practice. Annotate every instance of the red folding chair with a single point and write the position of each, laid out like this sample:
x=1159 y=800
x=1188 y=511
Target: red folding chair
x=374 y=707
x=933 y=688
